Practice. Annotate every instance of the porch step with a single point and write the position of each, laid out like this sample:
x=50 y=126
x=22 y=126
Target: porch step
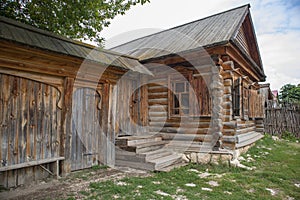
x=178 y=164
x=166 y=161
x=149 y=156
x=148 y=153
x=149 y=146
x=185 y=146
x=135 y=140
x=136 y=165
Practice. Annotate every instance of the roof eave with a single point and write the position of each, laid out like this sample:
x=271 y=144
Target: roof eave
x=256 y=68
x=217 y=44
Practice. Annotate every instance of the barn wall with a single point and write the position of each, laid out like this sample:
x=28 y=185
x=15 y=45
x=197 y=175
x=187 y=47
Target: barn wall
x=30 y=127
x=40 y=106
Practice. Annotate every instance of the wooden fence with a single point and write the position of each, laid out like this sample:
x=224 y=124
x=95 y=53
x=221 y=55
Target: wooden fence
x=282 y=118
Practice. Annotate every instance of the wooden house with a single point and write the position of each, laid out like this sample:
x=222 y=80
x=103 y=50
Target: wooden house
x=205 y=86
x=66 y=106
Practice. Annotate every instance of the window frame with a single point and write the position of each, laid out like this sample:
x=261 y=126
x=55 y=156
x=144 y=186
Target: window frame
x=195 y=92
x=178 y=96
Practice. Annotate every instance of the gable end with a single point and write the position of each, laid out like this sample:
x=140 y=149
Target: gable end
x=246 y=40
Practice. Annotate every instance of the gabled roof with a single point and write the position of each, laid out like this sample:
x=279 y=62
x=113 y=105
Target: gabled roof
x=11 y=30
x=209 y=31
x=215 y=30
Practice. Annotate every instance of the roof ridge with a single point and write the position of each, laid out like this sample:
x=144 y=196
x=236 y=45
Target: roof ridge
x=59 y=37
x=169 y=29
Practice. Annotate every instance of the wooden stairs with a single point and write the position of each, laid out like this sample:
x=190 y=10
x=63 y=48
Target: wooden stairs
x=147 y=153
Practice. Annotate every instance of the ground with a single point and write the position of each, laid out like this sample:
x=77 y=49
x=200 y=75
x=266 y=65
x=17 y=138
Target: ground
x=272 y=173
x=70 y=187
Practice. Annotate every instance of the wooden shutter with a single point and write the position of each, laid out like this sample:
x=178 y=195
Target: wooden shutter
x=200 y=98
x=256 y=104
x=236 y=94
x=245 y=102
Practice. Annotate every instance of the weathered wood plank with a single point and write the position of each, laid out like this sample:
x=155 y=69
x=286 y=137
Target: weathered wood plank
x=30 y=164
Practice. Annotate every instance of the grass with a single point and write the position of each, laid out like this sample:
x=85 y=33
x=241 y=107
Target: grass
x=276 y=166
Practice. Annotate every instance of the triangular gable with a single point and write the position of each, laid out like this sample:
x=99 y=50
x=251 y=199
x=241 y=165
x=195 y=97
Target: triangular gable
x=210 y=31
x=245 y=39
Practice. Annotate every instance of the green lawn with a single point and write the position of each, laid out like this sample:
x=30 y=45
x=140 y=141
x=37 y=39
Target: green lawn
x=276 y=170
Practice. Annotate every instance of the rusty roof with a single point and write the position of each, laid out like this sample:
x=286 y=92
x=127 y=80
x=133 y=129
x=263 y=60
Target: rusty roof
x=14 y=31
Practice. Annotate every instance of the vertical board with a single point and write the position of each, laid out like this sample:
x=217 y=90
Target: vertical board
x=28 y=123
x=86 y=129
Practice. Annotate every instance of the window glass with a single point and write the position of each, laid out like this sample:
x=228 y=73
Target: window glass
x=179 y=87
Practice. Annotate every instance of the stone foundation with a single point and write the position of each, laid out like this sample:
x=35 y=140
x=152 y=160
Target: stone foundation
x=218 y=157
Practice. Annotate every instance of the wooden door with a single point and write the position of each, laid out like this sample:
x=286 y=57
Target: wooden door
x=86 y=118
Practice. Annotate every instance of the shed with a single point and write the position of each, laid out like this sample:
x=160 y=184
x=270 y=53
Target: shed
x=58 y=99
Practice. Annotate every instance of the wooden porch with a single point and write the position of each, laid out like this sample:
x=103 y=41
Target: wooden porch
x=151 y=153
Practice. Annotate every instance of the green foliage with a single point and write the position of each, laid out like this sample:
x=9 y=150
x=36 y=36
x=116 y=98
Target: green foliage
x=97 y=167
x=290 y=93
x=77 y=19
x=289 y=136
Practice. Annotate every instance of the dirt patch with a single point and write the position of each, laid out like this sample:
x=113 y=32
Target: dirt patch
x=71 y=186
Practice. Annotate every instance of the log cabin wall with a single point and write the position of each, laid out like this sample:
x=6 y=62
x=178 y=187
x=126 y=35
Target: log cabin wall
x=242 y=107
x=160 y=94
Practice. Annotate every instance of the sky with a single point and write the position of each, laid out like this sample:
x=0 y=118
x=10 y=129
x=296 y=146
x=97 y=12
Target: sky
x=276 y=22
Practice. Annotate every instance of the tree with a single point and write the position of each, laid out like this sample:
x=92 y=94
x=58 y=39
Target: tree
x=76 y=19
x=290 y=93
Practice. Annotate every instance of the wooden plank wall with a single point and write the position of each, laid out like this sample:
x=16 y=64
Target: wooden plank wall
x=30 y=127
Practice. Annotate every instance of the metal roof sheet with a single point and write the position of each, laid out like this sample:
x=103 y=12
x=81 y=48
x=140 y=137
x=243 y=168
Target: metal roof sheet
x=12 y=30
x=209 y=31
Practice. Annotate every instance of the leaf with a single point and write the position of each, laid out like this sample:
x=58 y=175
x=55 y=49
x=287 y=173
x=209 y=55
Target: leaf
x=74 y=19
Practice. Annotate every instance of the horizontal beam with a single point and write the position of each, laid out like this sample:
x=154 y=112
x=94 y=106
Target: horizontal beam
x=30 y=164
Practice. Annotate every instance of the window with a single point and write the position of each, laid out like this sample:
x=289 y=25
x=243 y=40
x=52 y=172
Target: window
x=180 y=98
x=240 y=99
x=188 y=97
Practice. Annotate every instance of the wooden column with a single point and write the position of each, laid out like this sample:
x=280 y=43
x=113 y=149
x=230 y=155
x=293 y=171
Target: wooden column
x=105 y=137
x=229 y=125
x=66 y=129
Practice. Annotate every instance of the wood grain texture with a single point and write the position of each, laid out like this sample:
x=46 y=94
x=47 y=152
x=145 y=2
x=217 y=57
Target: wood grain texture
x=28 y=125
